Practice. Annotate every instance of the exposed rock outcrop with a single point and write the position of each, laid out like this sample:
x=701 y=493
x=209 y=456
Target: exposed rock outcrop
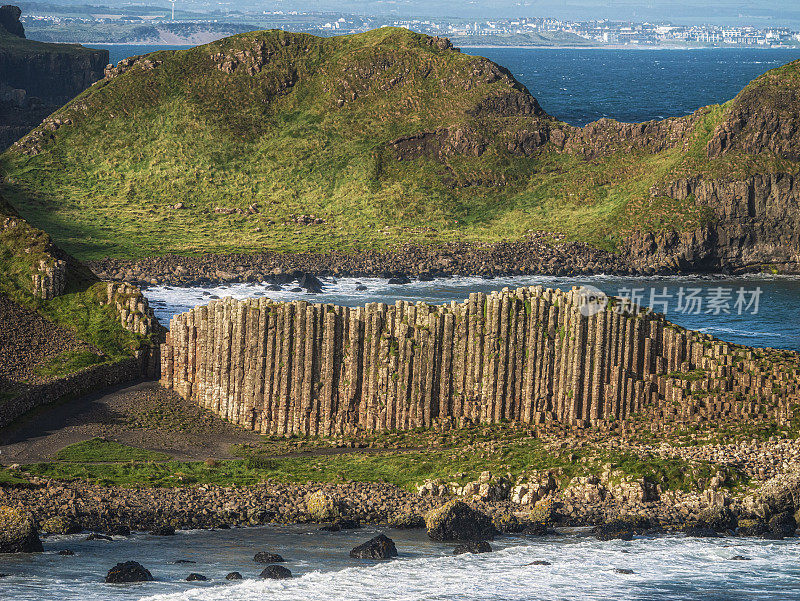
x=18 y=533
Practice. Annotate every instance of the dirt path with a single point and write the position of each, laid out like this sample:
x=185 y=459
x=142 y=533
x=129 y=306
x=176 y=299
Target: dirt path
x=143 y=415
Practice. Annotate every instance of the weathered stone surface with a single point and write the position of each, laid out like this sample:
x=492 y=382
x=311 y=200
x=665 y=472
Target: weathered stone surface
x=323 y=507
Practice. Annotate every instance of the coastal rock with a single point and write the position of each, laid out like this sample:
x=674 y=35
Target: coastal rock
x=782 y=525
x=18 y=533
x=265 y=557
x=323 y=507
x=380 y=547
x=233 y=576
x=130 y=571
x=749 y=527
x=163 y=531
x=341 y=524
x=456 y=521
x=276 y=572
x=476 y=546
x=719 y=518
x=194 y=577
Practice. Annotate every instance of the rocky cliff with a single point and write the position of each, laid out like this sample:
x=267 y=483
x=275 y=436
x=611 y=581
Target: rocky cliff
x=37 y=78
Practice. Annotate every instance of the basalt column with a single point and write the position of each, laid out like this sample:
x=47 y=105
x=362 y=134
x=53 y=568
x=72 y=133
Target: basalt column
x=530 y=355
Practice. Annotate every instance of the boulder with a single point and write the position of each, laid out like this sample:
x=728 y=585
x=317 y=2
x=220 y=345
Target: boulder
x=18 y=533
x=66 y=552
x=310 y=283
x=380 y=547
x=276 y=573
x=457 y=521
x=98 y=536
x=233 y=576
x=506 y=522
x=130 y=571
x=323 y=507
x=194 y=577
x=781 y=493
x=400 y=280
x=474 y=546
x=265 y=557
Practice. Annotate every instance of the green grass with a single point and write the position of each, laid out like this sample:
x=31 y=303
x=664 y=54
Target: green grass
x=406 y=469
x=292 y=139
x=101 y=450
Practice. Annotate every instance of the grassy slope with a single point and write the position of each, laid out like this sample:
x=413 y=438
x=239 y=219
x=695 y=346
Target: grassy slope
x=78 y=309
x=188 y=132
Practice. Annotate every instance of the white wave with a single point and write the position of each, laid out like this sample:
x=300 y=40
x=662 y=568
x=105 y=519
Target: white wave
x=673 y=568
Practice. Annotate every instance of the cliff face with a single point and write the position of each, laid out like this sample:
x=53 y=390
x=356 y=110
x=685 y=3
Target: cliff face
x=37 y=78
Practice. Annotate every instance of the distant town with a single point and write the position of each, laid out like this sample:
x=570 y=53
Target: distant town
x=142 y=24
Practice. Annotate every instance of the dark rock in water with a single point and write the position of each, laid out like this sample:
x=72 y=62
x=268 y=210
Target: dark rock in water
x=361 y=287
x=700 y=532
x=233 y=576
x=18 y=533
x=276 y=573
x=782 y=525
x=740 y=558
x=193 y=577
x=380 y=547
x=206 y=293
x=130 y=571
x=183 y=561
x=456 y=520
x=341 y=524
x=539 y=562
x=66 y=552
x=310 y=283
x=473 y=546
x=399 y=280
x=425 y=277
x=623 y=571
x=214 y=296
x=98 y=536
x=265 y=557
x=273 y=288
x=163 y=531
x=120 y=530
x=296 y=289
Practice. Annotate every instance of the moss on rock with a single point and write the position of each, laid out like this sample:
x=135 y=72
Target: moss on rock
x=18 y=533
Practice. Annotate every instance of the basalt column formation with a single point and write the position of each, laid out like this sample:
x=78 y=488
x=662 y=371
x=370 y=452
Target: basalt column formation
x=530 y=355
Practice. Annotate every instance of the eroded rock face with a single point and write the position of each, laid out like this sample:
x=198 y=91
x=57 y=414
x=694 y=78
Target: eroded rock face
x=18 y=533
x=457 y=521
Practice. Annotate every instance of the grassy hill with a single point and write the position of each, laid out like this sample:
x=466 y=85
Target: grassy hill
x=385 y=138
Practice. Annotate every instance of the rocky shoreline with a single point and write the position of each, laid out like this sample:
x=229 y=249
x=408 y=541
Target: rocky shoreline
x=619 y=509
x=539 y=253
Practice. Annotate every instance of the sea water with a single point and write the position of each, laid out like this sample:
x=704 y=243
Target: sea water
x=669 y=568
